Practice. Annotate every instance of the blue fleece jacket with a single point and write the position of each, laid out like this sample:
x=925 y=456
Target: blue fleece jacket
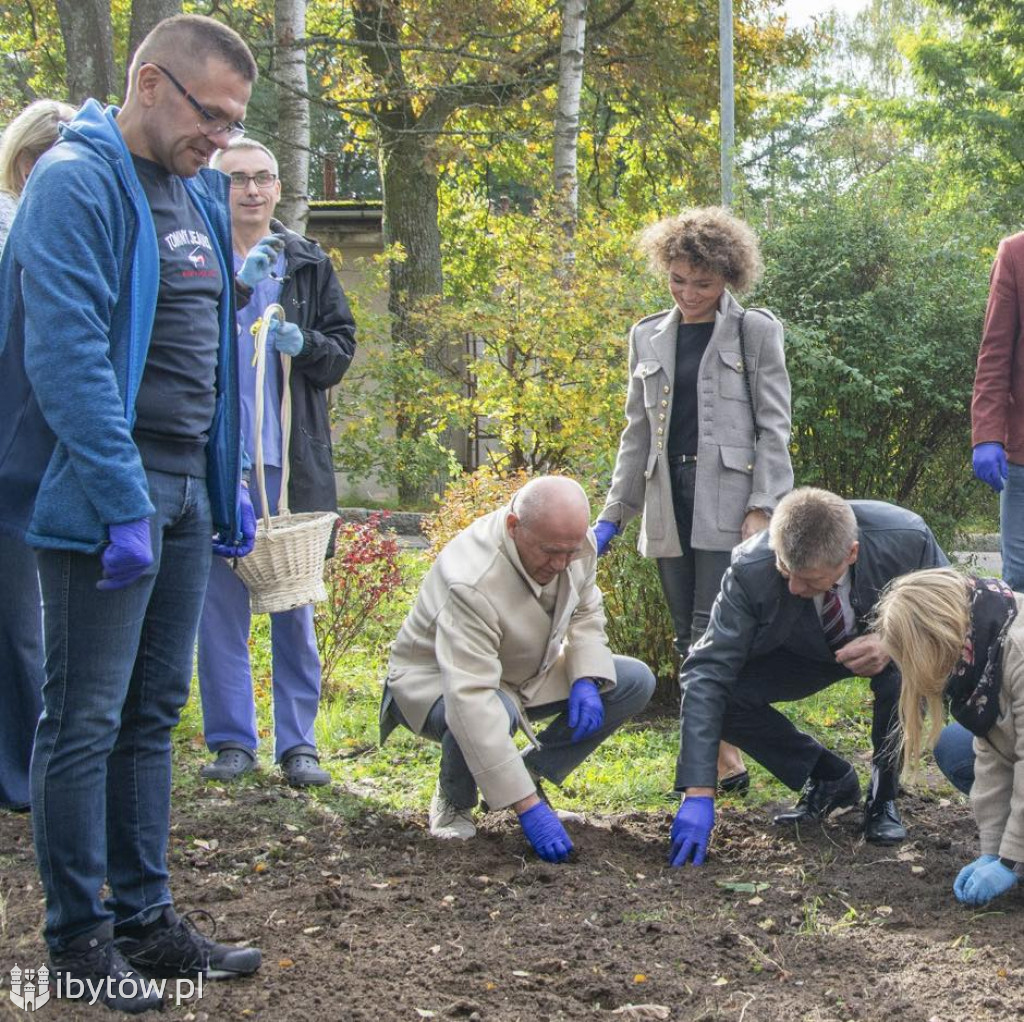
x=79 y=279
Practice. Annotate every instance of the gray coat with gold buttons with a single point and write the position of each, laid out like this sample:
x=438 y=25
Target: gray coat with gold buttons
x=732 y=477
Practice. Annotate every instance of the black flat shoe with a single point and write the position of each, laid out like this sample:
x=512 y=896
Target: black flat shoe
x=819 y=798
x=735 y=784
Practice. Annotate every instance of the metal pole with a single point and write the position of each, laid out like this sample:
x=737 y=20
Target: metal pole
x=727 y=103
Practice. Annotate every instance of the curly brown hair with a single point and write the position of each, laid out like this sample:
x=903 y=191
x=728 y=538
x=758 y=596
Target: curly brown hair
x=710 y=238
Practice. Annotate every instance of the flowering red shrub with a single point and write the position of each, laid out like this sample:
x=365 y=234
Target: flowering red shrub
x=363 y=573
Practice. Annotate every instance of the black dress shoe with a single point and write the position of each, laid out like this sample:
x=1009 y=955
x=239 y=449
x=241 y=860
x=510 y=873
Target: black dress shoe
x=882 y=824
x=819 y=798
x=735 y=784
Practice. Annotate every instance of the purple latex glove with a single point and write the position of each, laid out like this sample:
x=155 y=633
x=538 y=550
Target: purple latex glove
x=691 y=830
x=247 y=528
x=260 y=260
x=127 y=556
x=545 y=832
x=990 y=464
x=986 y=881
x=604 y=533
x=286 y=337
x=586 y=710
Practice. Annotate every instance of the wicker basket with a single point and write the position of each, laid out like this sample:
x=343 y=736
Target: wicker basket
x=286 y=567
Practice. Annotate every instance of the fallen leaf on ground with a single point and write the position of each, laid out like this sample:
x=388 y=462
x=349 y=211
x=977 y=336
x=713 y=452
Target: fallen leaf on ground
x=642 y=1011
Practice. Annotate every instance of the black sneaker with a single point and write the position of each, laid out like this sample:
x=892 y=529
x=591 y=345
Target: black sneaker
x=172 y=947
x=94 y=961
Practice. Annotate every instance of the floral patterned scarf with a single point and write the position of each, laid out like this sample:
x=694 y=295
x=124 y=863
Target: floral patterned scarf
x=973 y=686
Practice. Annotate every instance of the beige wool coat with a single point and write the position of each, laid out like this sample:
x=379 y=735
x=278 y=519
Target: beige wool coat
x=997 y=795
x=730 y=479
x=479 y=626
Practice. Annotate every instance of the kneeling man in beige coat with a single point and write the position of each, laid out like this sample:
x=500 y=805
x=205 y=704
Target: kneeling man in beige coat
x=508 y=627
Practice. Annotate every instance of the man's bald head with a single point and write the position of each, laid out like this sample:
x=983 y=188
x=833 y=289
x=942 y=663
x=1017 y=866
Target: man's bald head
x=548 y=523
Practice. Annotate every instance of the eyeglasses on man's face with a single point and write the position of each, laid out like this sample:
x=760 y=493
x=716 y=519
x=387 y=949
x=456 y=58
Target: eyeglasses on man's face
x=263 y=179
x=210 y=126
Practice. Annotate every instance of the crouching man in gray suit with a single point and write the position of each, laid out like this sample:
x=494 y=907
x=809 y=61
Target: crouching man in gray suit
x=791 y=619
x=508 y=627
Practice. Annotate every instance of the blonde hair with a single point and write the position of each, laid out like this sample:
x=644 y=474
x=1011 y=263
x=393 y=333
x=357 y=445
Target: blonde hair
x=29 y=135
x=812 y=529
x=922 y=620
x=710 y=238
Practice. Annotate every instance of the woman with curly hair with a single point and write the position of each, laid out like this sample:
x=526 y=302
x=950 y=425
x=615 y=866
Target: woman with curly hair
x=959 y=640
x=705 y=452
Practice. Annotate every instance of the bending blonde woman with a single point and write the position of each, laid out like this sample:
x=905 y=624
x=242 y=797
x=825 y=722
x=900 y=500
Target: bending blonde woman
x=959 y=641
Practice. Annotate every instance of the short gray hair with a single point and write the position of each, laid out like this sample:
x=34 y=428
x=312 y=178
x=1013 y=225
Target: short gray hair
x=812 y=529
x=543 y=494
x=242 y=143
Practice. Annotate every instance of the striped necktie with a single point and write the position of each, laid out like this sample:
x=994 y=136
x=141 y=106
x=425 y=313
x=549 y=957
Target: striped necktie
x=832 y=620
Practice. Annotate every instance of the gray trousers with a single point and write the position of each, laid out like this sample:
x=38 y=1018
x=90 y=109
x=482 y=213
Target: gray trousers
x=559 y=755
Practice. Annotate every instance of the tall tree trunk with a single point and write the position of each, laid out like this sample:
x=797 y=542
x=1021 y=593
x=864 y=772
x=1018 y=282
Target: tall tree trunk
x=292 y=150
x=89 y=49
x=146 y=15
x=567 y=108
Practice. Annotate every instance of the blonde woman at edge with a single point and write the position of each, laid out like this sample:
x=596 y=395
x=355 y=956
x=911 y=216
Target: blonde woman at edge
x=959 y=641
x=705 y=452
x=24 y=140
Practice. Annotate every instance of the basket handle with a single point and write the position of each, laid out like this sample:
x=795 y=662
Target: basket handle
x=271 y=312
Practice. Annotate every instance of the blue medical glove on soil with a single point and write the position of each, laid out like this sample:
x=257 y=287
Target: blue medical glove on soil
x=247 y=528
x=260 y=260
x=545 y=832
x=990 y=464
x=286 y=337
x=604 y=533
x=968 y=871
x=691 y=830
x=987 y=882
x=127 y=556
x=586 y=711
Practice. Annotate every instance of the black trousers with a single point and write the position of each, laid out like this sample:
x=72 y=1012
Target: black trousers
x=752 y=722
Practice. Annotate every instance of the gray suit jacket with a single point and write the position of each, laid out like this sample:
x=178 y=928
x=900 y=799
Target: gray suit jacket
x=730 y=478
x=755 y=614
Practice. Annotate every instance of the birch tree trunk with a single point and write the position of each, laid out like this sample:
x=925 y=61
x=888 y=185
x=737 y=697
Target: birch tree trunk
x=146 y=15
x=89 y=50
x=292 y=149
x=567 y=108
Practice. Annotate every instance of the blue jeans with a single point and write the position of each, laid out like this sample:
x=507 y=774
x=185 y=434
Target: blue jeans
x=558 y=755
x=225 y=674
x=1011 y=527
x=954 y=756
x=21 y=668
x=118 y=670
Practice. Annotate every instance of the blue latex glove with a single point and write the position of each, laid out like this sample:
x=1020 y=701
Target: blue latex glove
x=286 y=337
x=990 y=464
x=986 y=882
x=604 y=533
x=127 y=556
x=260 y=260
x=586 y=710
x=968 y=871
x=545 y=832
x=247 y=527
x=691 y=830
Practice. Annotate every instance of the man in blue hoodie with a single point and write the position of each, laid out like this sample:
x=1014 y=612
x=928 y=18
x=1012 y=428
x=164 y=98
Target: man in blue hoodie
x=120 y=457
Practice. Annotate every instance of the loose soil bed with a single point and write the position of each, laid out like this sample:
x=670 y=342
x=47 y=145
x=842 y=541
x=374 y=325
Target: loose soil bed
x=365 y=917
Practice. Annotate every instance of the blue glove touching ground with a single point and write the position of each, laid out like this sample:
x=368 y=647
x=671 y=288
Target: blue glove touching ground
x=247 y=529
x=604 y=533
x=260 y=260
x=691 y=830
x=127 y=556
x=545 y=832
x=287 y=338
x=988 y=881
x=989 y=462
x=586 y=710
x=968 y=871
